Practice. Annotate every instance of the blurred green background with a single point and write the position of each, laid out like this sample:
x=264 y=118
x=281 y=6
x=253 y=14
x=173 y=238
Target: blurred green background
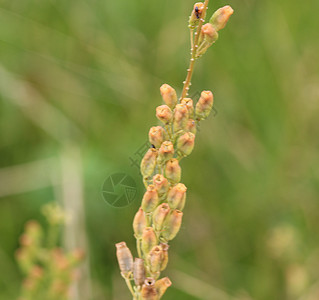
x=79 y=83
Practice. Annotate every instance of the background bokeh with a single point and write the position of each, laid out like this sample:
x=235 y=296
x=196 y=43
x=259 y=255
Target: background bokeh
x=79 y=82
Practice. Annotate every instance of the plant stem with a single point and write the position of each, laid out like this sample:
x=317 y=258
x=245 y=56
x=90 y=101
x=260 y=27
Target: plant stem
x=129 y=285
x=190 y=69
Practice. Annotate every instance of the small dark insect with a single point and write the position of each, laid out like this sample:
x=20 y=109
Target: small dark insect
x=152 y=146
x=197 y=12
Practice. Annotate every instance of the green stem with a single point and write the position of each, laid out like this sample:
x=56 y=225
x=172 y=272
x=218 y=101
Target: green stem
x=129 y=285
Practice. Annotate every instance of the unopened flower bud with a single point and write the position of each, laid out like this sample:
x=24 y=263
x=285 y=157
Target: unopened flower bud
x=161 y=286
x=209 y=33
x=159 y=215
x=191 y=126
x=161 y=184
x=164 y=114
x=155 y=258
x=185 y=143
x=180 y=117
x=149 y=239
x=196 y=15
x=190 y=106
x=148 y=162
x=204 y=105
x=139 y=271
x=156 y=136
x=165 y=152
x=173 y=170
x=139 y=223
x=148 y=291
x=220 y=17
x=165 y=247
x=125 y=258
x=150 y=199
x=176 y=196
x=169 y=95
x=172 y=224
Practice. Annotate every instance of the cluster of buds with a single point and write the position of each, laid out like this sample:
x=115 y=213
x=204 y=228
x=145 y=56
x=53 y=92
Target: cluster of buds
x=159 y=218
x=49 y=271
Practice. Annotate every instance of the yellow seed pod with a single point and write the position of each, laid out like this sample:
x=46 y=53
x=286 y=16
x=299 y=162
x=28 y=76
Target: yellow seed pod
x=161 y=286
x=220 y=17
x=161 y=184
x=173 y=170
x=150 y=199
x=204 y=105
x=180 y=117
x=185 y=143
x=149 y=239
x=148 y=291
x=156 y=136
x=176 y=196
x=125 y=259
x=164 y=114
x=139 y=223
x=172 y=225
x=165 y=152
x=139 y=271
x=169 y=95
x=188 y=102
x=164 y=247
x=148 y=162
x=159 y=215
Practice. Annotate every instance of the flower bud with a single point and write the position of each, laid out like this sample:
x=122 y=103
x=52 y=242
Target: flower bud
x=196 y=15
x=185 y=143
x=161 y=184
x=164 y=114
x=139 y=223
x=209 y=33
x=165 y=247
x=176 y=196
x=159 y=215
x=165 y=152
x=162 y=285
x=148 y=291
x=125 y=258
x=148 y=162
x=220 y=17
x=149 y=239
x=155 y=258
x=191 y=126
x=180 y=117
x=173 y=170
x=172 y=224
x=169 y=95
x=204 y=105
x=139 y=271
x=150 y=199
x=156 y=136
x=190 y=106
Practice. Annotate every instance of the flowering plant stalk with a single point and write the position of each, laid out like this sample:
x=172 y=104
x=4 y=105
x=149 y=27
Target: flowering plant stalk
x=159 y=218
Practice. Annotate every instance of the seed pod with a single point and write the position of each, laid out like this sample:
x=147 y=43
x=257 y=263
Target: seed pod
x=209 y=33
x=139 y=223
x=220 y=17
x=150 y=199
x=185 y=143
x=173 y=170
x=125 y=258
x=155 y=258
x=139 y=271
x=159 y=215
x=165 y=152
x=164 y=114
x=172 y=224
x=162 y=285
x=190 y=106
x=148 y=162
x=196 y=15
x=156 y=136
x=169 y=95
x=176 y=196
x=149 y=239
x=180 y=117
x=161 y=184
x=148 y=291
x=164 y=247
x=204 y=105
x=191 y=126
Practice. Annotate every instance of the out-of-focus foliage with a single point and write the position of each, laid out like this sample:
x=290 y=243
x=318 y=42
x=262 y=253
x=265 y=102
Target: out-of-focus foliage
x=85 y=75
